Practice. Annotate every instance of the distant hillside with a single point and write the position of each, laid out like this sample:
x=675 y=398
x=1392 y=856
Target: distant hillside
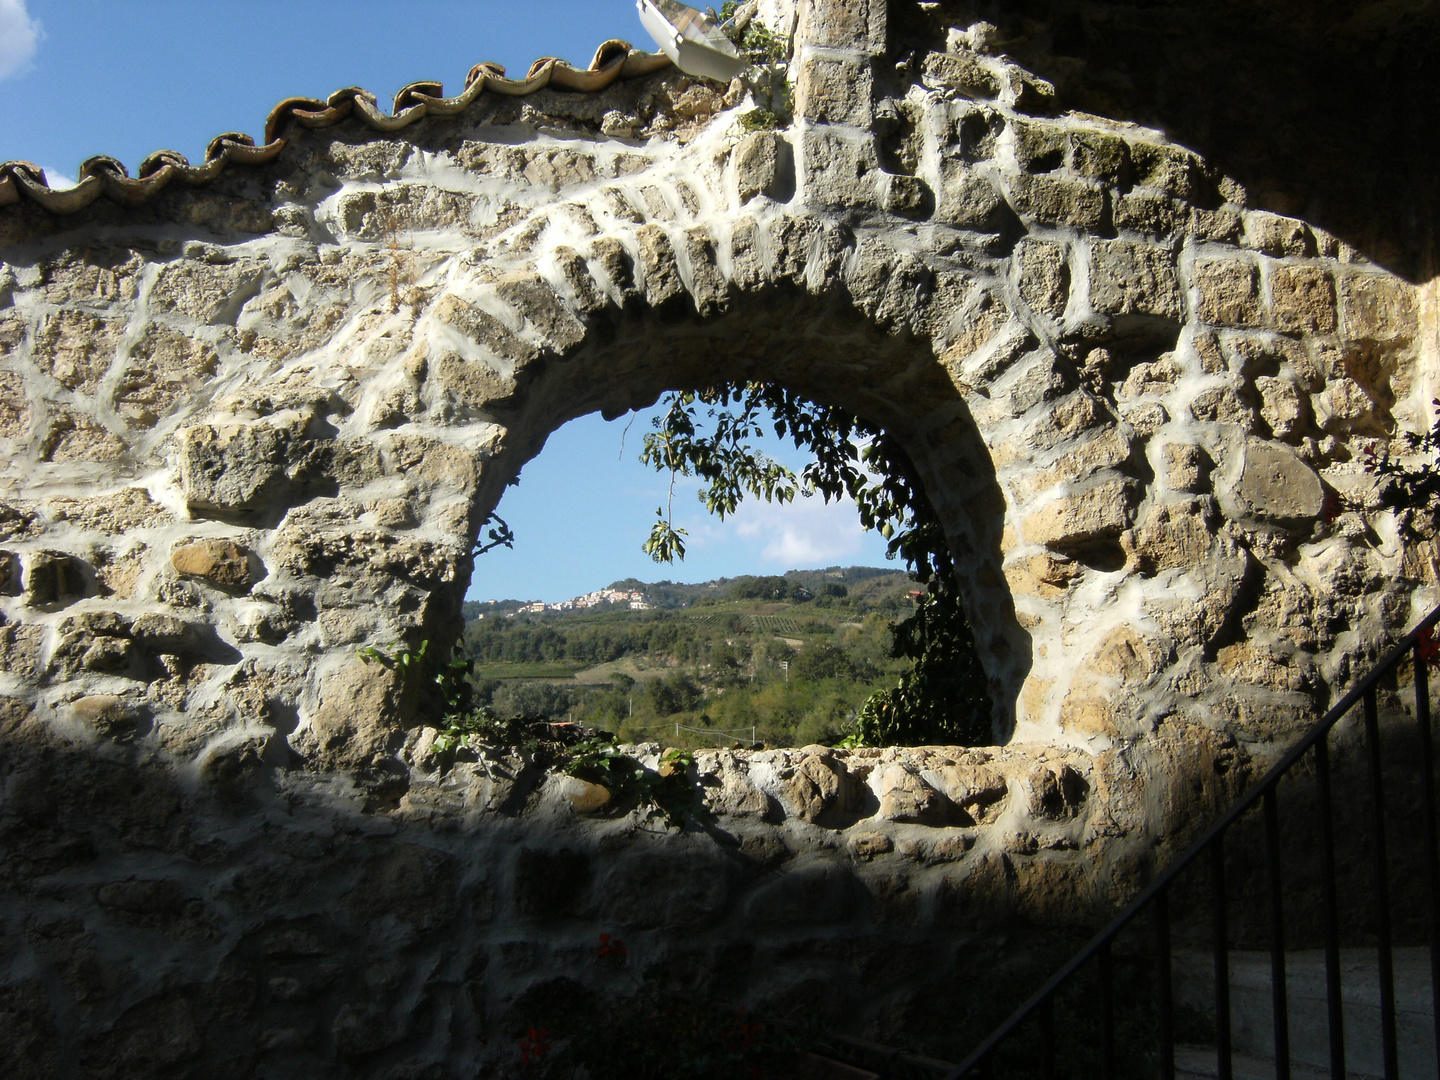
x=783 y=659
x=863 y=582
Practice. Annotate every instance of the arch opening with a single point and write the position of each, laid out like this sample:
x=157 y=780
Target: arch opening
x=822 y=350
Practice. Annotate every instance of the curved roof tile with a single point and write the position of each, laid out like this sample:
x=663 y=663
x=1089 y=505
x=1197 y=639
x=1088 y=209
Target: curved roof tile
x=20 y=180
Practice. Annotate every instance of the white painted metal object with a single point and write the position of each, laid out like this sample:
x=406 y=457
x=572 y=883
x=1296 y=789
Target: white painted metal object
x=691 y=39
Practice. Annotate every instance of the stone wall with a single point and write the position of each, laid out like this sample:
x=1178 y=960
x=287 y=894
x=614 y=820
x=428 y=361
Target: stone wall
x=253 y=427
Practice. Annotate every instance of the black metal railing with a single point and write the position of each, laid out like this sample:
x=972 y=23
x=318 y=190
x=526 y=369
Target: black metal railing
x=1026 y=1044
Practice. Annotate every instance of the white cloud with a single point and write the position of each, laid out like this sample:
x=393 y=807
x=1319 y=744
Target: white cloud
x=54 y=177
x=799 y=535
x=19 y=38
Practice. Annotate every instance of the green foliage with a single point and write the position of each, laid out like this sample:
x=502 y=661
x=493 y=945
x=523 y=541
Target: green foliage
x=767 y=78
x=944 y=698
x=1412 y=490
x=667 y=793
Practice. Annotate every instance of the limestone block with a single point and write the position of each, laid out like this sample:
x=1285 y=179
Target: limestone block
x=1098 y=155
x=1344 y=407
x=1045 y=576
x=967 y=200
x=14 y=405
x=232 y=467
x=844 y=24
x=1283 y=406
x=1150 y=213
x=1056 y=791
x=841 y=171
x=482 y=328
x=585 y=294
x=113 y=514
x=908 y=196
x=708 y=286
x=75 y=437
x=54 y=577
x=869 y=845
x=977 y=789
x=1044 y=276
x=413 y=884
x=963 y=72
x=1221 y=226
x=660 y=271
x=221 y=563
x=657 y=889
x=1052 y=200
x=1039 y=145
x=1134 y=279
x=615 y=265
x=906 y=797
x=764 y=165
x=729 y=789
x=1276 y=235
x=532 y=297
x=1157 y=378
x=818 y=785
x=1228 y=292
x=1107 y=450
x=1100 y=510
x=1302 y=299
x=209 y=293
x=1377 y=307
x=835 y=91
x=76 y=348
x=1275 y=485
x=1173 y=537
x=1166 y=168
x=1222 y=405
x=356 y=722
x=1187 y=467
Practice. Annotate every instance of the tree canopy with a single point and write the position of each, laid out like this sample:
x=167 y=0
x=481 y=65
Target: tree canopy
x=709 y=434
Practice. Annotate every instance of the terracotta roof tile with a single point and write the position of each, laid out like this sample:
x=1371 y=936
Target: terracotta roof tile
x=21 y=180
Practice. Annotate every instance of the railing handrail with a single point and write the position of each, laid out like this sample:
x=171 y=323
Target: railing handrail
x=1249 y=800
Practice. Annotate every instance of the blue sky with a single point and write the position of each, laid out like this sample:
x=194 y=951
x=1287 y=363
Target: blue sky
x=86 y=77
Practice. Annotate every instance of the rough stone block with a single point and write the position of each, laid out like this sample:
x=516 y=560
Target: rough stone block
x=482 y=328
x=1276 y=235
x=659 y=269
x=1187 y=467
x=1284 y=406
x=905 y=196
x=1051 y=200
x=221 y=563
x=1039 y=147
x=841 y=171
x=232 y=467
x=1377 y=307
x=531 y=296
x=835 y=91
x=1302 y=299
x=1134 y=279
x=1228 y=292
x=764 y=165
x=1098 y=155
x=844 y=24
x=1275 y=485
x=968 y=200
x=1044 y=276
x=1166 y=168
x=1149 y=213
x=906 y=797
x=1099 y=511
x=964 y=73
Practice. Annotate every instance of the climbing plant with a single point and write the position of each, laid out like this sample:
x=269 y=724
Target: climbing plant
x=767 y=78
x=709 y=434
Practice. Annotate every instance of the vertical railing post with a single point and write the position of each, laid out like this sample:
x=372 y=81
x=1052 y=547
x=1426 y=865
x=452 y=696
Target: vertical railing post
x=1334 y=1004
x=1221 y=930
x=1279 y=998
x=1381 y=886
x=1424 y=650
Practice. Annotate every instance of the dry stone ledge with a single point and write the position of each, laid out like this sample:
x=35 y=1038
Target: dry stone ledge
x=257 y=425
